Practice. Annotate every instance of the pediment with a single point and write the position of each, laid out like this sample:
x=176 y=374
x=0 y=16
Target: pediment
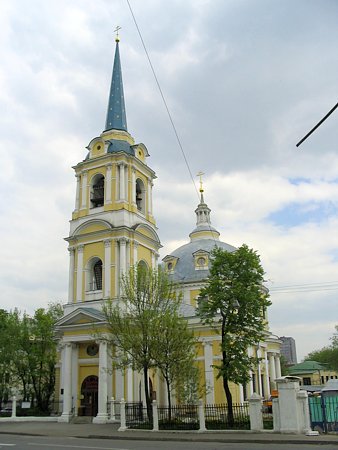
x=147 y=231
x=81 y=316
x=92 y=226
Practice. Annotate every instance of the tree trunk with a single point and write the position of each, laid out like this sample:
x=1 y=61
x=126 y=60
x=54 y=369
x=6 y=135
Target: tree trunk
x=146 y=392
x=169 y=398
x=228 y=395
x=225 y=380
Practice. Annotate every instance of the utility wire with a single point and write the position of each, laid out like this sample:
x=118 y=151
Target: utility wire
x=318 y=124
x=163 y=98
x=168 y=112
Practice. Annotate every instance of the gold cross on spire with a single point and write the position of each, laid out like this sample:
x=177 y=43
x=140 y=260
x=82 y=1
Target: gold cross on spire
x=117 y=29
x=200 y=174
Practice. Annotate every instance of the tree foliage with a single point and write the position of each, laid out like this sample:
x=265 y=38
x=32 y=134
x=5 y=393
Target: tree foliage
x=28 y=354
x=133 y=321
x=328 y=354
x=174 y=351
x=234 y=302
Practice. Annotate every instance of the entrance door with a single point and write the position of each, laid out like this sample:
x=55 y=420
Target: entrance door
x=89 y=394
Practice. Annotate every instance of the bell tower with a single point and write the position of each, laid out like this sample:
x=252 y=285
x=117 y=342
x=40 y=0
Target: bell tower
x=112 y=225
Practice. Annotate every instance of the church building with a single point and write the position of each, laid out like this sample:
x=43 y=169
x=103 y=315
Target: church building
x=112 y=228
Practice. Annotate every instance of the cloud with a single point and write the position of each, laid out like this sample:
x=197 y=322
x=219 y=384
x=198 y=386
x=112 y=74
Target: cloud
x=241 y=92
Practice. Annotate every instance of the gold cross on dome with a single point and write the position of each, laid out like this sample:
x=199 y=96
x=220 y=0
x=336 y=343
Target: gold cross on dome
x=117 y=29
x=200 y=174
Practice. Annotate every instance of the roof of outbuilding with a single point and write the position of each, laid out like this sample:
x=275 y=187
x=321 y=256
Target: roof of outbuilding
x=307 y=367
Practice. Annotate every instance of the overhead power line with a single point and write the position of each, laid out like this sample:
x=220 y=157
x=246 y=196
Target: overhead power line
x=318 y=124
x=163 y=99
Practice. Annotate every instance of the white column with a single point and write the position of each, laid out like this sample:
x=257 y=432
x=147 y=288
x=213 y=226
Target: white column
x=278 y=367
x=241 y=393
x=75 y=375
x=107 y=267
x=117 y=182
x=267 y=381
x=130 y=395
x=77 y=197
x=259 y=373
x=122 y=181
x=251 y=387
x=272 y=368
x=84 y=190
x=127 y=254
x=149 y=196
x=135 y=258
x=119 y=384
x=209 y=372
x=102 y=415
x=71 y=274
x=79 y=274
x=123 y=256
x=117 y=267
x=67 y=385
x=108 y=182
x=133 y=186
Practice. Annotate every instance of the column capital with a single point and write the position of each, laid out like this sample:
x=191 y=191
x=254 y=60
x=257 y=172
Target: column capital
x=123 y=240
x=121 y=163
x=107 y=242
x=136 y=244
x=80 y=248
x=71 y=248
x=84 y=171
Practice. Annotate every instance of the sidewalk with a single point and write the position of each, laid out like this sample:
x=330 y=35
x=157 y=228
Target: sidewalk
x=109 y=431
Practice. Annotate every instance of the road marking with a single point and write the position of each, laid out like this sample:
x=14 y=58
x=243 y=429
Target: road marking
x=73 y=446
x=7 y=445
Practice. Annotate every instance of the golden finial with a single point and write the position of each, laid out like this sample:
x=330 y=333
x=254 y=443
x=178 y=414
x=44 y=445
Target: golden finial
x=117 y=29
x=200 y=174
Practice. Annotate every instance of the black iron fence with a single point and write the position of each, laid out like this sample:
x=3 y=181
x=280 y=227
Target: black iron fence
x=138 y=417
x=178 y=417
x=217 y=417
x=30 y=409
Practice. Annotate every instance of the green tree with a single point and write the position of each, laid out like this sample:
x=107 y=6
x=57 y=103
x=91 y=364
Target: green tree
x=133 y=322
x=328 y=354
x=173 y=351
x=7 y=351
x=234 y=302
x=37 y=352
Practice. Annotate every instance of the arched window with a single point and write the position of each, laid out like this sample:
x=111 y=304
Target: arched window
x=97 y=191
x=140 y=196
x=94 y=281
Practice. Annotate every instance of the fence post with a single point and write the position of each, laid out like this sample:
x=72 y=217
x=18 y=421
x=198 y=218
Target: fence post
x=303 y=411
x=112 y=409
x=255 y=412
x=123 y=425
x=13 y=407
x=155 y=416
x=201 y=416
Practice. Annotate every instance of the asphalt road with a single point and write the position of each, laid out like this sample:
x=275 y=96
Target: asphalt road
x=17 y=442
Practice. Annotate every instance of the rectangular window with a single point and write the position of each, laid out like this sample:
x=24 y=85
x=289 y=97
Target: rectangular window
x=307 y=381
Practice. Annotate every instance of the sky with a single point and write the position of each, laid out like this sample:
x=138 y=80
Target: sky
x=244 y=81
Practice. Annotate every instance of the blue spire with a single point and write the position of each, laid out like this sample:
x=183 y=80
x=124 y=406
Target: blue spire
x=116 y=114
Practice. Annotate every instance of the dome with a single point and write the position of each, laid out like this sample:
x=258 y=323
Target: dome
x=186 y=269
x=191 y=262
